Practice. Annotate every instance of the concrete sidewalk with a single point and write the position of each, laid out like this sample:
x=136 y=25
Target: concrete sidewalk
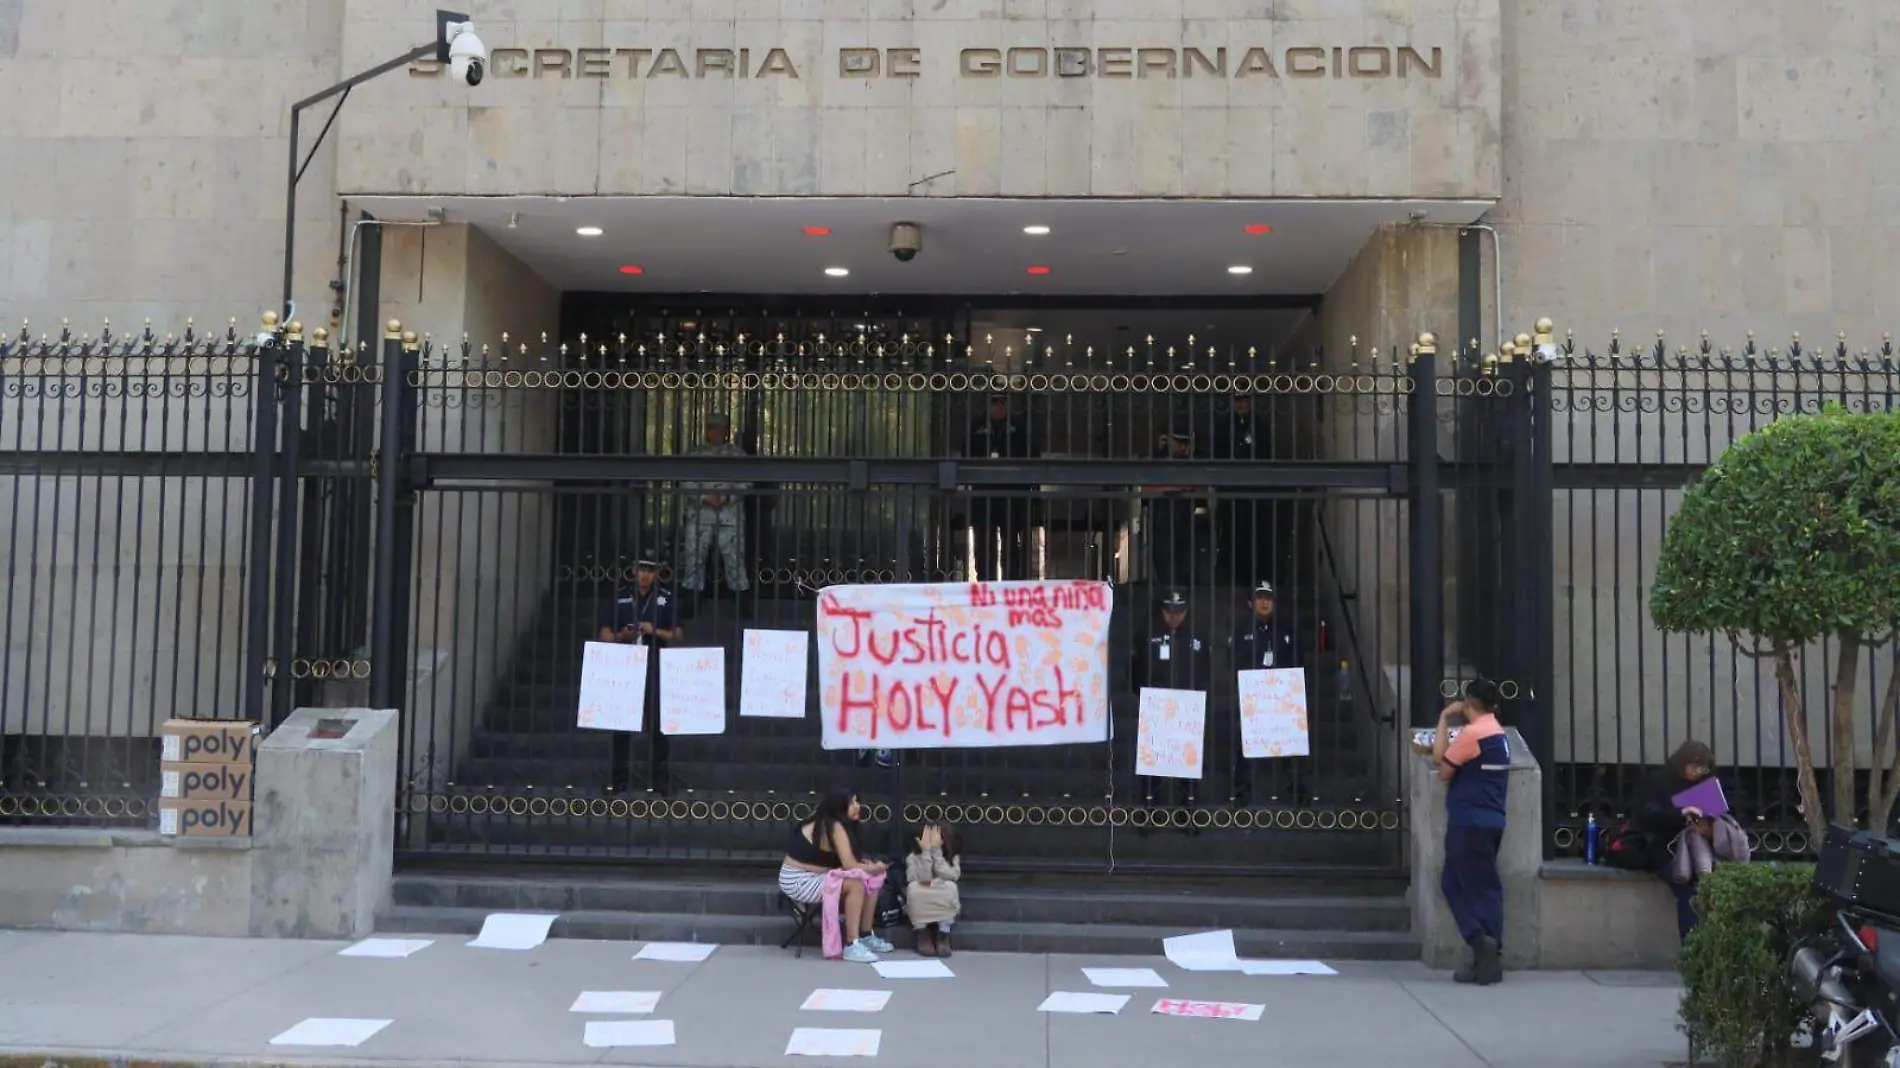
x=129 y=998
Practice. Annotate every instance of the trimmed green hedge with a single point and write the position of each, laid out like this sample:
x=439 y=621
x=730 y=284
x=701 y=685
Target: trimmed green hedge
x=1735 y=1005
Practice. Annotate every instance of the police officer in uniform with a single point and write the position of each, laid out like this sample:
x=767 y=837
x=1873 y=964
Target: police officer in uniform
x=1260 y=641
x=1476 y=769
x=1170 y=517
x=713 y=516
x=1241 y=523
x=1174 y=658
x=643 y=613
x=997 y=435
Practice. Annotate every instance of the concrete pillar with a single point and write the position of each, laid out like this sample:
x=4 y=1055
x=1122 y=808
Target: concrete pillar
x=324 y=824
x=1520 y=862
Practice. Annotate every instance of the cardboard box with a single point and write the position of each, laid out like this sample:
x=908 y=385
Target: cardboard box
x=208 y=741
x=205 y=782
x=204 y=819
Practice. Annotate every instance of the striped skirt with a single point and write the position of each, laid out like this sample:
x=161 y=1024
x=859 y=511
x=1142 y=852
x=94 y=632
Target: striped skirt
x=804 y=887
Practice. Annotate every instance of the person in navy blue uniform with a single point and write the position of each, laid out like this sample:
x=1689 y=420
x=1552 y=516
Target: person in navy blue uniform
x=1260 y=641
x=1476 y=769
x=998 y=435
x=1173 y=658
x=644 y=613
x=1169 y=516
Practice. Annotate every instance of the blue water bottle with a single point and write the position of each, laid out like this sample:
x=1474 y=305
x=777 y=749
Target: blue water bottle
x=1590 y=840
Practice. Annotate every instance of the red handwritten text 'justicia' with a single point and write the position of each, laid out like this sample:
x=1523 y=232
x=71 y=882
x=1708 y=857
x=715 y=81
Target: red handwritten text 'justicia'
x=920 y=640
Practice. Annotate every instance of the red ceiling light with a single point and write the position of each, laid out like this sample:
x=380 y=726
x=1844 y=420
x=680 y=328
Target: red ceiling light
x=817 y=231
x=1258 y=228
x=1038 y=270
x=633 y=269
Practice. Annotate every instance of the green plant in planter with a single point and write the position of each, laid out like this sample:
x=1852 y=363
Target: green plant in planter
x=1790 y=539
x=1735 y=1006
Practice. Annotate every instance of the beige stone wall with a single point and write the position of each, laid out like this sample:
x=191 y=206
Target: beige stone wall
x=942 y=132
x=142 y=159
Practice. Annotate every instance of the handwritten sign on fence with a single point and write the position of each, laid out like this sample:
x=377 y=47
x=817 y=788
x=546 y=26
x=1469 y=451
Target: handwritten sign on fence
x=1170 y=734
x=613 y=687
x=964 y=664
x=1273 y=713
x=772 y=674
x=693 y=691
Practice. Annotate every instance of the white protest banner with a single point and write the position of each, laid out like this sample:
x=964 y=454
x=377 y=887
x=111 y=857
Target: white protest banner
x=964 y=664
x=1273 y=713
x=693 y=691
x=772 y=674
x=1170 y=734
x=613 y=687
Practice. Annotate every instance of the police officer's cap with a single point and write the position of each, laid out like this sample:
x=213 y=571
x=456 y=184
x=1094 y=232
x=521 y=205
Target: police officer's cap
x=1182 y=432
x=1484 y=691
x=1174 y=599
x=719 y=419
x=1263 y=588
x=646 y=561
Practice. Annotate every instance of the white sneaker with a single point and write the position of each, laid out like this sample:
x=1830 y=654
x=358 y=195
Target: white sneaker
x=878 y=945
x=859 y=953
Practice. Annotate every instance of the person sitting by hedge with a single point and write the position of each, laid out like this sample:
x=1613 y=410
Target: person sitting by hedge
x=1681 y=844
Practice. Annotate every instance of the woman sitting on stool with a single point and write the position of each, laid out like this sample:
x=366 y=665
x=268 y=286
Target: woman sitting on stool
x=821 y=847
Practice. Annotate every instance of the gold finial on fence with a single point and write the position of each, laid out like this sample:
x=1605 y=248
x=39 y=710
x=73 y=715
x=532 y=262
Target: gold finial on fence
x=295 y=330
x=1426 y=345
x=1545 y=332
x=320 y=338
x=409 y=341
x=269 y=319
x=392 y=329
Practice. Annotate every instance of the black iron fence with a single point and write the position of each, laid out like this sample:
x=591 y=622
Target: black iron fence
x=243 y=525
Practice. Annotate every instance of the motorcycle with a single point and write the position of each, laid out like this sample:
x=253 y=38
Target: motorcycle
x=1849 y=979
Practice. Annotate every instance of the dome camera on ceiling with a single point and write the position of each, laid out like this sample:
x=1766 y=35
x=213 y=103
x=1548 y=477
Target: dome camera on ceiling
x=907 y=240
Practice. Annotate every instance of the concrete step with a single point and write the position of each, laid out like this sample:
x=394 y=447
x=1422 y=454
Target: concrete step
x=976 y=934
x=1373 y=905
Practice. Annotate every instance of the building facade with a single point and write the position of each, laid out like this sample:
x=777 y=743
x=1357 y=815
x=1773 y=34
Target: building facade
x=1654 y=177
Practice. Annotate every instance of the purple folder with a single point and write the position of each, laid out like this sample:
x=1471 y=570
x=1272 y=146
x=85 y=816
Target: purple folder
x=1706 y=795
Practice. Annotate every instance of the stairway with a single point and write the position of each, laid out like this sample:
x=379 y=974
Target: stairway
x=1364 y=918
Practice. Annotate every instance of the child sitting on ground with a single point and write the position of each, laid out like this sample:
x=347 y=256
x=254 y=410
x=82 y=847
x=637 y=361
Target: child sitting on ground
x=934 y=867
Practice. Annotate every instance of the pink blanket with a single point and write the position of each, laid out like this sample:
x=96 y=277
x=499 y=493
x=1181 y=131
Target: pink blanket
x=834 y=888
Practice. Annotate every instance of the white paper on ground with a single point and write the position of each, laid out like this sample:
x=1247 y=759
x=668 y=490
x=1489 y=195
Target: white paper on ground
x=514 y=930
x=606 y=1033
x=1285 y=967
x=829 y=1042
x=683 y=952
x=823 y=1000
x=1094 y=1004
x=321 y=1031
x=387 y=947
x=1124 y=977
x=1211 y=951
x=617 y=1002
x=1209 y=1010
x=914 y=969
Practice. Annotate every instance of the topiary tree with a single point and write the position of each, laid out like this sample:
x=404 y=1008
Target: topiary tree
x=1793 y=536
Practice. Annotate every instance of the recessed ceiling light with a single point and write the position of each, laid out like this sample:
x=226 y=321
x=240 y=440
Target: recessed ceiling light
x=1258 y=228
x=1037 y=230
x=590 y=231
x=837 y=272
x=817 y=231
x=1038 y=270
x=1240 y=268
x=1032 y=330
x=633 y=268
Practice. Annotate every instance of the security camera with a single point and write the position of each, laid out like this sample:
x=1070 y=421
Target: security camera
x=468 y=56
x=907 y=240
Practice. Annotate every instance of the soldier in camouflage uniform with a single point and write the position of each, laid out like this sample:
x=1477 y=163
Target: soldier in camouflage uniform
x=713 y=513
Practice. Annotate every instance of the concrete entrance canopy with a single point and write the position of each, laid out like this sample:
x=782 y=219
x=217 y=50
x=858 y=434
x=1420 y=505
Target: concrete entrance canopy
x=969 y=246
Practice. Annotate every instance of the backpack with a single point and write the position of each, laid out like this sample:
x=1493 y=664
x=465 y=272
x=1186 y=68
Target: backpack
x=890 y=905
x=1624 y=846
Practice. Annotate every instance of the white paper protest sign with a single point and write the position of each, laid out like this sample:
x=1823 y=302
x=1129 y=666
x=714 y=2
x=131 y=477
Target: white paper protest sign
x=1273 y=714
x=826 y=1000
x=1084 y=1004
x=772 y=679
x=964 y=664
x=613 y=687
x=693 y=691
x=1209 y=1010
x=1170 y=734
x=830 y=1042
x=1209 y=951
